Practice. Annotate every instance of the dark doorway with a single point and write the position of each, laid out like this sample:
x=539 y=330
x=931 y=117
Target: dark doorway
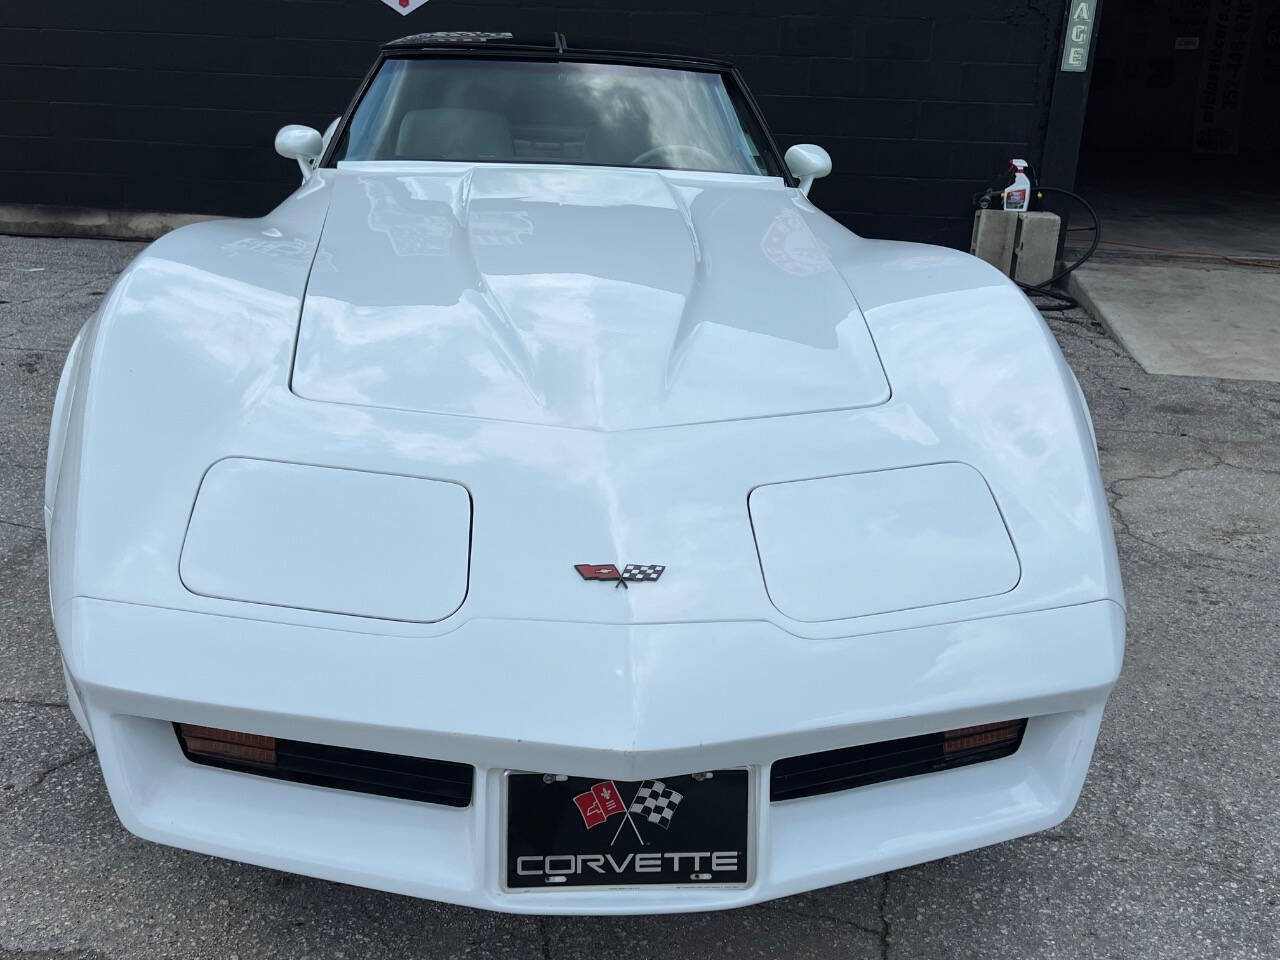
x=1182 y=130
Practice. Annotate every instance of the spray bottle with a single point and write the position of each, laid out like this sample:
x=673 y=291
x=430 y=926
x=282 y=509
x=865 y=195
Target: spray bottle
x=1017 y=195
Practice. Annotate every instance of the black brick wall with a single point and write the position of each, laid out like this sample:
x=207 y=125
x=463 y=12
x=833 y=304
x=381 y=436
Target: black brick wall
x=172 y=105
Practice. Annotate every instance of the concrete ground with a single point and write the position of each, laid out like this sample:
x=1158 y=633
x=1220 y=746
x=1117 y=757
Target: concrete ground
x=1187 y=277
x=1190 y=319
x=1173 y=852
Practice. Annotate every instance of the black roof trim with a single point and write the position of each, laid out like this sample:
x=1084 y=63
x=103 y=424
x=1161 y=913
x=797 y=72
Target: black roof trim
x=554 y=43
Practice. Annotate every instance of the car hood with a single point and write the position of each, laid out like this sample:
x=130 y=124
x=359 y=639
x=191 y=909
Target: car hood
x=586 y=298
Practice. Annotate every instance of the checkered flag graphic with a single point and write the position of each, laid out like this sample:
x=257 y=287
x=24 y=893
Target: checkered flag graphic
x=642 y=572
x=656 y=803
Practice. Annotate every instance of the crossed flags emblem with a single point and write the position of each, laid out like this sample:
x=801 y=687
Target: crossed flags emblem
x=653 y=800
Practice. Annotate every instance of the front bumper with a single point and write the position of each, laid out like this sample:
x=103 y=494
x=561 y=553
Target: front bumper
x=621 y=702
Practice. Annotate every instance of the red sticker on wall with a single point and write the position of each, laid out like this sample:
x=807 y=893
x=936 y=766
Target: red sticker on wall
x=404 y=6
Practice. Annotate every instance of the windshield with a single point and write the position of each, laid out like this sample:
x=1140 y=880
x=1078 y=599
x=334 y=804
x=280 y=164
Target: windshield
x=541 y=111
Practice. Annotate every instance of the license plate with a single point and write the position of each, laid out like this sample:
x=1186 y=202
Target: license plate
x=581 y=832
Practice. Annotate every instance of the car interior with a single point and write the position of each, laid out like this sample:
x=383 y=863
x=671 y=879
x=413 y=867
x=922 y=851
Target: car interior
x=554 y=112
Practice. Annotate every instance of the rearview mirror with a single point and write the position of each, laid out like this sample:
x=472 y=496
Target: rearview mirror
x=807 y=162
x=300 y=143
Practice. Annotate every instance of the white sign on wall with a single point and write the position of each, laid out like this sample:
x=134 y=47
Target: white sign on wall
x=1075 y=46
x=404 y=6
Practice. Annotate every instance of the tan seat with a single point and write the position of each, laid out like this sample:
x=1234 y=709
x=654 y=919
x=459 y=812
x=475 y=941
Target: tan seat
x=454 y=133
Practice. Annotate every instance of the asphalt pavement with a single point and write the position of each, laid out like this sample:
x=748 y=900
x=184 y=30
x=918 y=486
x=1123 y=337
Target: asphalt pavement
x=1173 y=851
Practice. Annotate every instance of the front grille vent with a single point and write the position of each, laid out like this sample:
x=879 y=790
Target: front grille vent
x=850 y=767
x=342 y=768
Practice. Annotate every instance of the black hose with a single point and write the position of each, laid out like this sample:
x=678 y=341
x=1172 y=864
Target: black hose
x=1097 y=231
x=1065 y=301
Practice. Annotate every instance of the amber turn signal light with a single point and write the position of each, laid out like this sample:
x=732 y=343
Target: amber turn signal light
x=210 y=743
x=982 y=736
x=341 y=768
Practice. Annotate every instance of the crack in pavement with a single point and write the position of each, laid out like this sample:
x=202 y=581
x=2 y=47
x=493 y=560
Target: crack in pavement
x=546 y=938
x=48 y=772
x=1221 y=564
x=882 y=933
x=15 y=523
x=1181 y=434
x=1218 y=460
x=82 y=287
x=1120 y=522
x=885 y=936
x=1181 y=471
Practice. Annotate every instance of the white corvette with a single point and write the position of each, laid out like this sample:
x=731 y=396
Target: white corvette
x=547 y=508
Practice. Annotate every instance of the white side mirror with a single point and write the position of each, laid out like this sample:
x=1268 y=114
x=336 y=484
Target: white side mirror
x=300 y=143
x=807 y=162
